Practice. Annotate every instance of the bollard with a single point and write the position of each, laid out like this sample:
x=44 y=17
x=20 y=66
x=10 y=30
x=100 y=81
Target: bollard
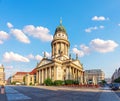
x=2 y=89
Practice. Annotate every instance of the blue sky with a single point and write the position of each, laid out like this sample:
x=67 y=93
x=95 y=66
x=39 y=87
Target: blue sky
x=27 y=27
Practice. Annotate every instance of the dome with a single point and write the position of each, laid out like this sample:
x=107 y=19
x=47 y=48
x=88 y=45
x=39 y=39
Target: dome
x=60 y=28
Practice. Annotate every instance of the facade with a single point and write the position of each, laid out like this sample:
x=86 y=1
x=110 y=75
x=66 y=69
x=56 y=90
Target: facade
x=61 y=66
x=18 y=77
x=2 y=75
x=116 y=74
x=94 y=76
x=30 y=78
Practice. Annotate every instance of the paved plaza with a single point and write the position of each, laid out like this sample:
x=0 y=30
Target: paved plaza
x=44 y=93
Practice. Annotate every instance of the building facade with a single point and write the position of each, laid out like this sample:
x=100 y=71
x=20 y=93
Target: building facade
x=116 y=74
x=61 y=66
x=30 y=78
x=2 y=75
x=94 y=76
x=18 y=77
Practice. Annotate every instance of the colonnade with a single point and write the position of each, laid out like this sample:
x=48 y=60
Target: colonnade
x=68 y=73
x=60 y=46
x=74 y=74
x=44 y=73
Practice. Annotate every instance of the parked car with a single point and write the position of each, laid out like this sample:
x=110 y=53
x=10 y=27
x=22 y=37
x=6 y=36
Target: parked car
x=18 y=83
x=115 y=86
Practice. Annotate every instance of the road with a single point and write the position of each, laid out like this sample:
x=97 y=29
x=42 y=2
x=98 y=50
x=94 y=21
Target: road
x=45 y=93
x=23 y=93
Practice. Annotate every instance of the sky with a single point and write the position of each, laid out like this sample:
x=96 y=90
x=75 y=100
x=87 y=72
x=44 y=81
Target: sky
x=27 y=28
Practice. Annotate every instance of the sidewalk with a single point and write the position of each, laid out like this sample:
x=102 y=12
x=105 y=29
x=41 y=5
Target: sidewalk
x=108 y=95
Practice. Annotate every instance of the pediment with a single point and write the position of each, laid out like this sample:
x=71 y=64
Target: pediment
x=44 y=62
x=77 y=62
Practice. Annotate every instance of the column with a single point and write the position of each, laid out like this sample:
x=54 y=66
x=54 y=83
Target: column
x=57 y=49
x=42 y=75
x=54 y=73
x=50 y=72
x=81 y=77
x=53 y=49
x=64 y=49
x=39 y=76
x=70 y=74
x=77 y=74
x=67 y=73
x=46 y=73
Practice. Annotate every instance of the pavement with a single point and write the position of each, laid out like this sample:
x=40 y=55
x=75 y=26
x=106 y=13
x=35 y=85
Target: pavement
x=14 y=95
x=108 y=95
x=3 y=96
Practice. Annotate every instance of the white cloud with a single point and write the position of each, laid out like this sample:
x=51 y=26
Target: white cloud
x=103 y=46
x=85 y=49
x=8 y=67
x=38 y=57
x=99 y=45
x=119 y=24
x=9 y=25
x=101 y=27
x=1 y=42
x=20 y=35
x=47 y=54
x=99 y=18
x=3 y=36
x=30 y=56
x=38 y=32
x=11 y=56
x=90 y=29
x=79 y=52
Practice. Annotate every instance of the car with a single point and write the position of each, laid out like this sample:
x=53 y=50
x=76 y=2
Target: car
x=115 y=86
x=18 y=83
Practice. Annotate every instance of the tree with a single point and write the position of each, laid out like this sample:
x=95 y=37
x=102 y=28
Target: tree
x=117 y=80
x=48 y=82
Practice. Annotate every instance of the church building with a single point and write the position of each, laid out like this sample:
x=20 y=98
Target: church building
x=61 y=66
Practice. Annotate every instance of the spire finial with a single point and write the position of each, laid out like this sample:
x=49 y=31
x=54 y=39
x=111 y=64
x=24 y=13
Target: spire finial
x=60 y=20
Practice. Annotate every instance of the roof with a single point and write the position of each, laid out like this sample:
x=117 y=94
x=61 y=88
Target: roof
x=21 y=73
x=33 y=71
x=60 y=28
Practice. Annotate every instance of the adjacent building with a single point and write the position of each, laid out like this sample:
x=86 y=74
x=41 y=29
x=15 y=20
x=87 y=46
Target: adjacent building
x=61 y=66
x=94 y=76
x=2 y=75
x=30 y=78
x=116 y=74
x=18 y=77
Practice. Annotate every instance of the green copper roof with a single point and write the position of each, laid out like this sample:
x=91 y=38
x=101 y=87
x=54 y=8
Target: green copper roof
x=60 y=28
